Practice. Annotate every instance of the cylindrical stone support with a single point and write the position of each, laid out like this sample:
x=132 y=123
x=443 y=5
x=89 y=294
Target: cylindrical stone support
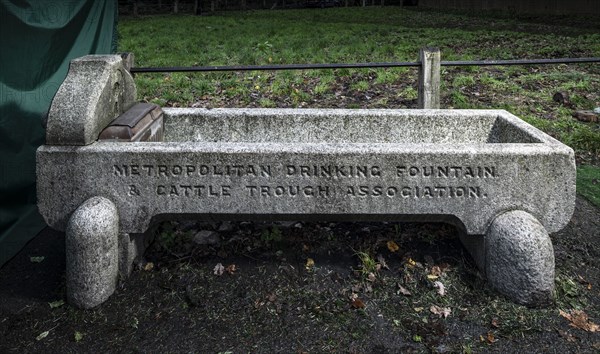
x=92 y=253
x=519 y=258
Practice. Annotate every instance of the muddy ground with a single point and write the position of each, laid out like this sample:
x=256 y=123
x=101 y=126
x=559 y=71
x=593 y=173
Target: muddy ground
x=304 y=287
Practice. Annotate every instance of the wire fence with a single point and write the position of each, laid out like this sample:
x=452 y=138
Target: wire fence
x=280 y=67
x=429 y=65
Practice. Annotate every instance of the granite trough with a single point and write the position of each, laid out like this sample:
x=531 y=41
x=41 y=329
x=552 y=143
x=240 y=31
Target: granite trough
x=504 y=183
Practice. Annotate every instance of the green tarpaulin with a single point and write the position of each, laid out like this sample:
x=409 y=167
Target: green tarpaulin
x=37 y=41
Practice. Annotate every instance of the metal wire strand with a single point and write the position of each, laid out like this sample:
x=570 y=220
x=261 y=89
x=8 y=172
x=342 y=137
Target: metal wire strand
x=168 y=69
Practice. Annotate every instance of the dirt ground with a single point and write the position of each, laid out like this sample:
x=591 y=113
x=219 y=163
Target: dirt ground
x=304 y=288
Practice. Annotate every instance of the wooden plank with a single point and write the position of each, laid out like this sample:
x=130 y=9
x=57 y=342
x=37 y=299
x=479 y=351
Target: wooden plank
x=429 y=78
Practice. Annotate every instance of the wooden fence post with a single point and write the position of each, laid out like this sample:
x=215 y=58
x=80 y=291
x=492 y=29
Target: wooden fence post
x=429 y=78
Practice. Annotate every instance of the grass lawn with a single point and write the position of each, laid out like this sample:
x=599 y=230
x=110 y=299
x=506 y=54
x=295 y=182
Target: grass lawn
x=588 y=183
x=376 y=35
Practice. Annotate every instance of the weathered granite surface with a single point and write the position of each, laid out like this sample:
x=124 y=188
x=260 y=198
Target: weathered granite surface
x=503 y=182
x=516 y=256
x=520 y=258
x=96 y=90
x=92 y=252
x=465 y=167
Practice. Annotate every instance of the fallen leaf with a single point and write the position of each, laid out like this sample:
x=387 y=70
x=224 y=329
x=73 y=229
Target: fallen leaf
x=490 y=338
x=432 y=277
x=441 y=289
x=583 y=281
x=418 y=309
x=567 y=336
x=440 y=311
x=148 y=266
x=231 y=269
x=357 y=303
x=78 y=336
x=310 y=263
x=444 y=267
x=56 y=304
x=272 y=297
x=435 y=270
x=579 y=319
x=494 y=323
x=36 y=259
x=392 y=246
x=382 y=262
x=219 y=269
x=42 y=335
x=402 y=290
x=371 y=277
x=411 y=263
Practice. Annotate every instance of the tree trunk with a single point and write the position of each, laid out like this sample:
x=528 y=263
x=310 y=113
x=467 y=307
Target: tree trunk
x=364 y=3
x=243 y=4
x=212 y=5
x=175 y=6
x=135 y=8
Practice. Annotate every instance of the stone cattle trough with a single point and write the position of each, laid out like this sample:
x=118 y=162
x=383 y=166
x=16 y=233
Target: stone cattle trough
x=505 y=184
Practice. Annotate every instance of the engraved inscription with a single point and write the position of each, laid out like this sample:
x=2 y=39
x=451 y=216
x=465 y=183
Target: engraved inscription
x=416 y=192
x=291 y=191
x=133 y=190
x=399 y=181
x=194 y=190
x=333 y=171
x=191 y=170
x=447 y=171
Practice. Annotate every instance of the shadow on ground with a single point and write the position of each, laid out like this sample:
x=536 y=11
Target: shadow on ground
x=302 y=287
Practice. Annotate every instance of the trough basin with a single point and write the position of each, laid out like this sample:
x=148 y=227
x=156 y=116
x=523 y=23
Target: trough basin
x=459 y=166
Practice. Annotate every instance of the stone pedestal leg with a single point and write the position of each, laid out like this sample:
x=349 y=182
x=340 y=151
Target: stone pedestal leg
x=517 y=258
x=92 y=253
